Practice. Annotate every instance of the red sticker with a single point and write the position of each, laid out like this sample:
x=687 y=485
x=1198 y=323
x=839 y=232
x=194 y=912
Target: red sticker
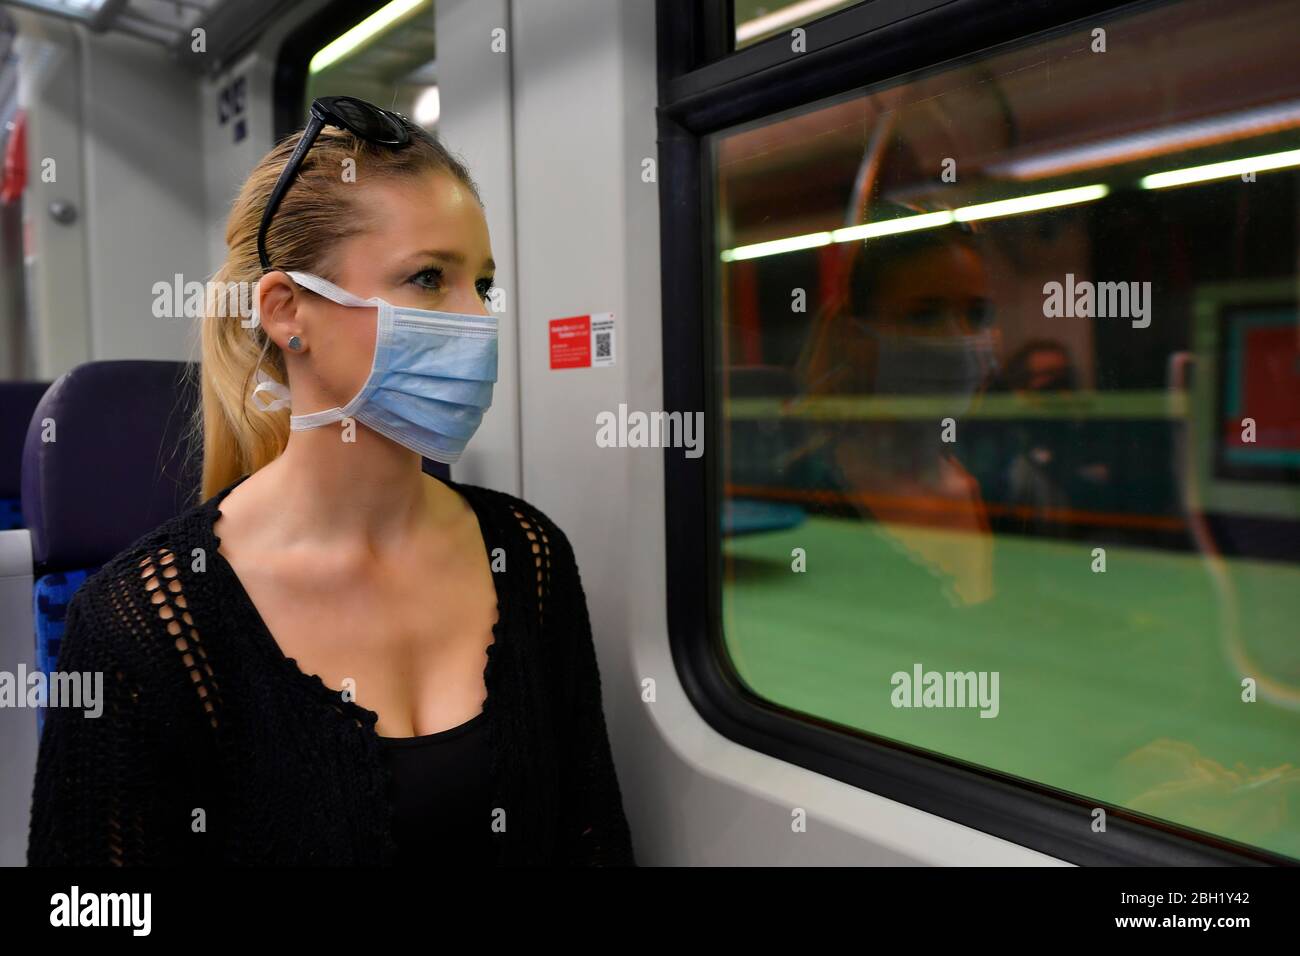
x=571 y=342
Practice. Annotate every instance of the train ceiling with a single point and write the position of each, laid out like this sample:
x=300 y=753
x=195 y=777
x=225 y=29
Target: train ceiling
x=228 y=25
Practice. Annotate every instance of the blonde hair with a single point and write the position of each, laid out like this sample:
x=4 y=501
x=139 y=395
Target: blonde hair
x=318 y=211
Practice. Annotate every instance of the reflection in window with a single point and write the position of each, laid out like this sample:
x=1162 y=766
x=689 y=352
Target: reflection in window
x=386 y=59
x=1011 y=374
x=759 y=19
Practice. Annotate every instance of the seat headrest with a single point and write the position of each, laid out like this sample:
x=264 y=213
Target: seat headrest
x=104 y=460
x=119 y=464
x=17 y=402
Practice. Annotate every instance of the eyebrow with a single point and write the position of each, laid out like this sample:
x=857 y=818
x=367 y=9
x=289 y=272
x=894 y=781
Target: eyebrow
x=455 y=258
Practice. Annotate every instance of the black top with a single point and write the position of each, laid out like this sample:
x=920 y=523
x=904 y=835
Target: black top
x=201 y=708
x=442 y=795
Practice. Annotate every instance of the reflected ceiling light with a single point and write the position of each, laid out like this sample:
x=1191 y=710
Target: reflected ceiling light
x=800 y=12
x=890 y=227
x=428 y=107
x=95 y=13
x=1014 y=207
x=929 y=220
x=1234 y=167
x=810 y=241
x=1170 y=139
x=371 y=26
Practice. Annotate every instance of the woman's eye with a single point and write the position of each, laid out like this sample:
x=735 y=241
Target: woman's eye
x=485 y=288
x=981 y=314
x=427 y=278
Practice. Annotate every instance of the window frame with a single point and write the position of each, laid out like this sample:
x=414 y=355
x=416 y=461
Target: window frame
x=703 y=90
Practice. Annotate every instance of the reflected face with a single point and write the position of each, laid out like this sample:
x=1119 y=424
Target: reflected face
x=1046 y=369
x=938 y=292
x=427 y=247
x=940 y=295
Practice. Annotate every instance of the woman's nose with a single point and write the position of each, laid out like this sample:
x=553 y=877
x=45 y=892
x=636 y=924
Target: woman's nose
x=468 y=302
x=954 y=322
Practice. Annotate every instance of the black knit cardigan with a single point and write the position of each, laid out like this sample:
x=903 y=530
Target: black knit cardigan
x=213 y=746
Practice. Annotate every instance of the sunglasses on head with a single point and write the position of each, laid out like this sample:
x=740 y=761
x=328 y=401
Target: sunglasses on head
x=362 y=119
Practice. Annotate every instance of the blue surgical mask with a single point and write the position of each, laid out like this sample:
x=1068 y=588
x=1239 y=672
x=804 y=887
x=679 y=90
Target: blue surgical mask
x=430 y=379
x=955 y=366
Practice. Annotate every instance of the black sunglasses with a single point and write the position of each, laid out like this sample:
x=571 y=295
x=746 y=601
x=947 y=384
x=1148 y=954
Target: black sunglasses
x=362 y=119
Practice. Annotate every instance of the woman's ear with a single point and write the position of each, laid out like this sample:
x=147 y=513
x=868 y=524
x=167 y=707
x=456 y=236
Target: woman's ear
x=276 y=308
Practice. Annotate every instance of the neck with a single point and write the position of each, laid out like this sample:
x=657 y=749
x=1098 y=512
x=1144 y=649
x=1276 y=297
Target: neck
x=370 y=490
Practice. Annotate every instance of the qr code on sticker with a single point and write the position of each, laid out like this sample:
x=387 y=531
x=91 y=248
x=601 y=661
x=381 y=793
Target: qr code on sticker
x=604 y=347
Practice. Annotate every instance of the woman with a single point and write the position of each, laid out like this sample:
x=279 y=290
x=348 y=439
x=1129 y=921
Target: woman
x=913 y=323
x=336 y=658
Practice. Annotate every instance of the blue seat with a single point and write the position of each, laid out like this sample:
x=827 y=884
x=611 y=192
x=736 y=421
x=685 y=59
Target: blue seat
x=118 y=467
x=749 y=516
x=18 y=402
x=759 y=452
x=53 y=594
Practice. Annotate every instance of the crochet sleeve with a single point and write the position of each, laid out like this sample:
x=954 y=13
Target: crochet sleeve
x=92 y=802
x=595 y=828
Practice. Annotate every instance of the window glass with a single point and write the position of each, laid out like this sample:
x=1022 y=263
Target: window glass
x=759 y=19
x=386 y=59
x=1011 y=413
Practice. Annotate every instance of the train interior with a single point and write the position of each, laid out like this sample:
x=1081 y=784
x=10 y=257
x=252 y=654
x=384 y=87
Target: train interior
x=992 y=328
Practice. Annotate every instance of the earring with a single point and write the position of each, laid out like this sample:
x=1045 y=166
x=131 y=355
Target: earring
x=295 y=343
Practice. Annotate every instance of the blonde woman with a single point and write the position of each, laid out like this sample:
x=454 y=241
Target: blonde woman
x=335 y=658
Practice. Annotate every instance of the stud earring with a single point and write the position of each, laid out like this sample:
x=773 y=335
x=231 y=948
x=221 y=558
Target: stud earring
x=295 y=343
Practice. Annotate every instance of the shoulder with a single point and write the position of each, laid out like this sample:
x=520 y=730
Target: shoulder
x=116 y=598
x=532 y=540
x=540 y=562
x=518 y=519
x=177 y=536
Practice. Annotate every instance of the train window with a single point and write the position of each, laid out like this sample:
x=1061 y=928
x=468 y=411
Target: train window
x=1010 y=397
x=759 y=19
x=386 y=58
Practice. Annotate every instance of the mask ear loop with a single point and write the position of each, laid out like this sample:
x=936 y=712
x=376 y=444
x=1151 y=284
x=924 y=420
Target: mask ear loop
x=269 y=386
x=277 y=393
x=328 y=290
